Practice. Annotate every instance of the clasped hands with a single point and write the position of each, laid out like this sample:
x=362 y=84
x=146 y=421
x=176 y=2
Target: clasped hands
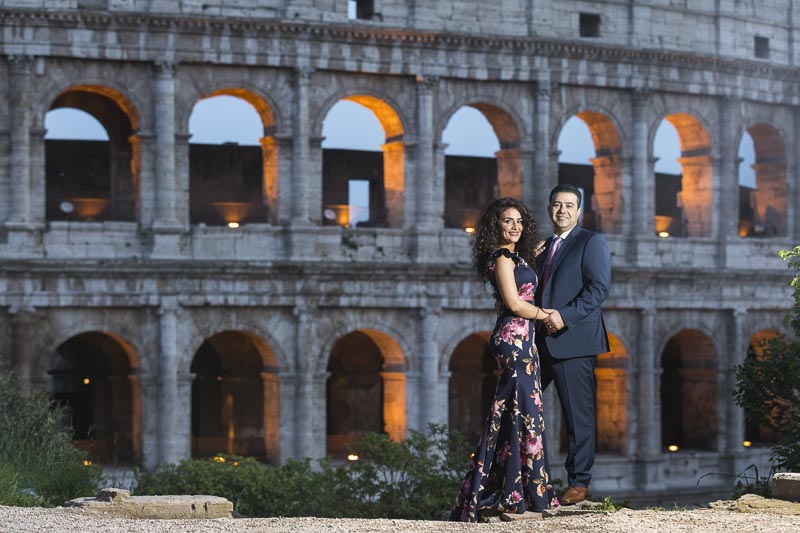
x=553 y=322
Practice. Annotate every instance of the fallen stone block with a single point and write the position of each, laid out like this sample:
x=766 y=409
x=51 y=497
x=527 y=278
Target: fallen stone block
x=119 y=502
x=786 y=486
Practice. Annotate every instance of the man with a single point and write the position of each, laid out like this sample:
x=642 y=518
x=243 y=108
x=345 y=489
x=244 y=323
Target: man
x=575 y=273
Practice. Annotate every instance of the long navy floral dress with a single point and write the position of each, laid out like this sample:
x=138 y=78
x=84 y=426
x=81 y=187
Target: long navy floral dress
x=509 y=471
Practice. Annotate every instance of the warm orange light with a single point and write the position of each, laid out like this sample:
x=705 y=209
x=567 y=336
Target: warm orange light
x=673 y=447
x=232 y=212
x=86 y=381
x=469 y=230
x=747 y=444
x=87 y=462
x=236 y=463
x=219 y=459
x=352 y=457
x=233 y=225
x=663 y=234
x=88 y=208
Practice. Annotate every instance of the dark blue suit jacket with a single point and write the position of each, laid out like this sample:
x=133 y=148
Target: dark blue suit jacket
x=579 y=282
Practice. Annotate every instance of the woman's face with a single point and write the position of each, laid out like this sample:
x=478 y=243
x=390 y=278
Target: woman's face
x=510 y=226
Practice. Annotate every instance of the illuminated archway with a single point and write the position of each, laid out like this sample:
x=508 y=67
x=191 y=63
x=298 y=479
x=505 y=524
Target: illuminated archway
x=689 y=416
x=235 y=397
x=473 y=379
x=380 y=176
x=683 y=205
x=233 y=170
x=93 y=375
x=611 y=394
x=472 y=176
x=753 y=432
x=93 y=179
x=366 y=389
x=767 y=204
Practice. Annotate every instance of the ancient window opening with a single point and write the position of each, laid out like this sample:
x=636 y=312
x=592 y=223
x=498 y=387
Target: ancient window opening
x=235 y=397
x=233 y=160
x=95 y=177
x=93 y=376
x=361 y=9
x=763 y=188
x=484 y=165
x=761 y=47
x=473 y=379
x=589 y=24
x=362 y=142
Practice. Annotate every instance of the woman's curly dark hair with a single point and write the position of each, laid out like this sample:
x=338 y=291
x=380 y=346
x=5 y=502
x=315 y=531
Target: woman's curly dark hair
x=488 y=236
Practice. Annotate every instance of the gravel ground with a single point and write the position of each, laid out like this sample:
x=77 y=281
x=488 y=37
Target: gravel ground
x=14 y=519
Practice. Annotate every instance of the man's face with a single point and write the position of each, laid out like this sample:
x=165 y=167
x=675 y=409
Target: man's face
x=564 y=212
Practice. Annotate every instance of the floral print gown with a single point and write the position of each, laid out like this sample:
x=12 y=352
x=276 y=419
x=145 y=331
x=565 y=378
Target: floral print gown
x=509 y=471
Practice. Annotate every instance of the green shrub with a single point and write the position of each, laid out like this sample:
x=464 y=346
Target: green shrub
x=768 y=387
x=38 y=464
x=414 y=479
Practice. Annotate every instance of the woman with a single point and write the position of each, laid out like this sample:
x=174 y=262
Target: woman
x=509 y=472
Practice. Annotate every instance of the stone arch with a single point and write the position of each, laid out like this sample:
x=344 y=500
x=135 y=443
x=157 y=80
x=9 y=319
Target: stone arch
x=470 y=180
x=225 y=179
x=688 y=380
x=475 y=324
x=605 y=200
x=95 y=180
x=235 y=397
x=386 y=173
x=391 y=336
x=611 y=393
x=473 y=380
x=93 y=375
x=693 y=202
x=770 y=199
x=367 y=385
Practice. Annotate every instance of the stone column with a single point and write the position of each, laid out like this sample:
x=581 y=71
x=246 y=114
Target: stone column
x=734 y=434
x=269 y=178
x=19 y=85
x=304 y=404
x=425 y=173
x=394 y=181
x=608 y=192
x=285 y=164
x=164 y=90
x=289 y=424
x=649 y=431
x=643 y=188
x=509 y=172
x=168 y=384
x=430 y=410
x=696 y=195
x=23 y=332
x=771 y=197
x=300 y=149
x=270 y=390
x=793 y=218
x=537 y=194
x=395 y=423
x=151 y=421
x=727 y=206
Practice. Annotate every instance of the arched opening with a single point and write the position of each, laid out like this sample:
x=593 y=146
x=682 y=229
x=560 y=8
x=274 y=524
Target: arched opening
x=689 y=392
x=473 y=379
x=754 y=433
x=365 y=391
x=91 y=156
x=482 y=162
x=683 y=181
x=591 y=137
x=93 y=375
x=363 y=164
x=611 y=398
x=235 y=397
x=763 y=187
x=233 y=160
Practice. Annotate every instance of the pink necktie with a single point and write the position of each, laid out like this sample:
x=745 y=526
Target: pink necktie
x=548 y=263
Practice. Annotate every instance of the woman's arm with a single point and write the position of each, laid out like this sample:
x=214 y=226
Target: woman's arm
x=507 y=285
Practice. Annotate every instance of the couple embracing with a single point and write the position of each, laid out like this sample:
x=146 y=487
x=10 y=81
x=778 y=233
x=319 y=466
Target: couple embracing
x=549 y=329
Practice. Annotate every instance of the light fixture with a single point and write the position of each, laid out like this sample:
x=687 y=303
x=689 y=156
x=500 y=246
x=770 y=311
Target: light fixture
x=86 y=381
x=352 y=457
x=87 y=462
x=469 y=229
x=233 y=225
x=673 y=447
x=663 y=234
x=747 y=444
x=219 y=459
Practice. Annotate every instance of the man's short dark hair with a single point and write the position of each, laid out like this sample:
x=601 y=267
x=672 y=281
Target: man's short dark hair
x=565 y=187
